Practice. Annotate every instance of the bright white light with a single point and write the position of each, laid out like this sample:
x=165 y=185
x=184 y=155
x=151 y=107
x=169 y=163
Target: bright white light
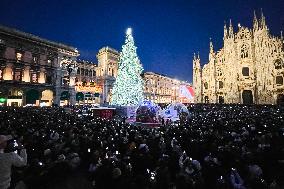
x=128 y=31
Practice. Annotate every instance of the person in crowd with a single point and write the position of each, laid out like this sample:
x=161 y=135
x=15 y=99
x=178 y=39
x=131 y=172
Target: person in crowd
x=7 y=160
x=199 y=153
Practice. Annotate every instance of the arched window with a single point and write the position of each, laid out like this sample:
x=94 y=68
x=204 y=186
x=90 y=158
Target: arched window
x=279 y=64
x=244 y=51
x=112 y=72
x=219 y=72
x=221 y=85
x=94 y=73
x=84 y=83
x=206 y=85
x=221 y=99
x=206 y=99
x=245 y=71
x=279 y=80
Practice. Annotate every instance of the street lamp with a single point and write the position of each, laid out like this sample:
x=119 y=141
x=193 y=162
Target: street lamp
x=69 y=66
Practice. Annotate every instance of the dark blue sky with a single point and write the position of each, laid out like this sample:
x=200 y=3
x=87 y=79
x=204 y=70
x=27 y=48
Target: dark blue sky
x=166 y=32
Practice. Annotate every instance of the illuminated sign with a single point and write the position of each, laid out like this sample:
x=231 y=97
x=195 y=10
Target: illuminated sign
x=186 y=93
x=2 y=100
x=92 y=89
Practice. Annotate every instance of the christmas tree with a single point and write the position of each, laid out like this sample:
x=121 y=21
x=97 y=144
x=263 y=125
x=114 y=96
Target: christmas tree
x=128 y=87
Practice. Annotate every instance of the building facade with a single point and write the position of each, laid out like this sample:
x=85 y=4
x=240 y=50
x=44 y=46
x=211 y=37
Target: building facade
x=86 y=87
x=163 y=89
x=107 y=71
x=248 y=69
x=33 y=70
x=159 y=88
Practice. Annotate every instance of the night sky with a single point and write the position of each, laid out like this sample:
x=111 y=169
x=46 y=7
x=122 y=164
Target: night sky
x=165 y=32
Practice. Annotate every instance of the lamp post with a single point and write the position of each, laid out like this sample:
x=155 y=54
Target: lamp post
x=69 y=66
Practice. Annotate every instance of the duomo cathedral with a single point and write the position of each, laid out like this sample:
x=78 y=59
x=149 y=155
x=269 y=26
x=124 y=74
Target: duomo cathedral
x=249 y=69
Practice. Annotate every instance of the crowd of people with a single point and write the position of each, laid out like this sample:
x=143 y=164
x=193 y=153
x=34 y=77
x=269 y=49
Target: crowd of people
x=218 y=146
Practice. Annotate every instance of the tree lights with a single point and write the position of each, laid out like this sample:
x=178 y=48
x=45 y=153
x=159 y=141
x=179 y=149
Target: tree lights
x=128 y=87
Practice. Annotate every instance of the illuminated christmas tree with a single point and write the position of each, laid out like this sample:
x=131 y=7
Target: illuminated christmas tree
x=128 y=87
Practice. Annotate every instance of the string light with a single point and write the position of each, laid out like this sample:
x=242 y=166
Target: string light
x=128 y=87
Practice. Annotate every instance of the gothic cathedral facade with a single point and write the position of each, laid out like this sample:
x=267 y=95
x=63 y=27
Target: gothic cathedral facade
x=249 y=69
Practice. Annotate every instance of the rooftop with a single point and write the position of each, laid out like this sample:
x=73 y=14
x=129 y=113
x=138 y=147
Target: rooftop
x=28 y=36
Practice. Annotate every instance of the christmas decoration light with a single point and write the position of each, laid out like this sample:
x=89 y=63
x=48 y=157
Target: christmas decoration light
x=128 y=87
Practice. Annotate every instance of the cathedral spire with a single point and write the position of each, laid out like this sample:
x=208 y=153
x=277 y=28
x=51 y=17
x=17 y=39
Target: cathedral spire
x=211 y=46
x=255 y=22
x=262 y=21
x=225 y=31
x=231 y=29
x=211 y=52
x=196 y=61
x=198 y=55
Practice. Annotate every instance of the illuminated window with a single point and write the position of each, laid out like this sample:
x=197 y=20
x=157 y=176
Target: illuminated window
x=1 y=74
x=84 y=83
x=17 y=75
x=279 y=80
x=35 y=59
x=245 y=71
x=65 y=81
x=19 y=56
x=50 y=61
x=34 y=77
x=206 y=99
